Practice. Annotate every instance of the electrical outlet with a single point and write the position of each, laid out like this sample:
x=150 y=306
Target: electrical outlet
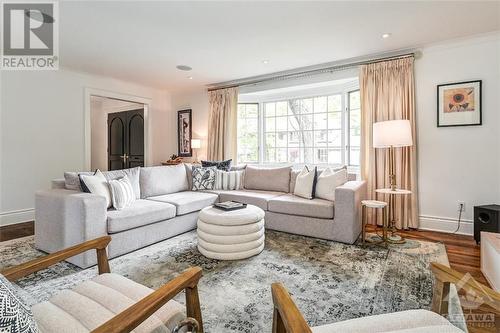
x=461 y=206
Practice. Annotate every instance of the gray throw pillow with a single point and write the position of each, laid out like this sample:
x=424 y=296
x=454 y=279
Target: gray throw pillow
x=72 y=180
x=221 y=165
x=15 y=315
x=204 y=178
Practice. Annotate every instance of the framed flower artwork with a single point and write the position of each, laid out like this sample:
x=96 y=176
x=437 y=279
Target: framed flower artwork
x=459 y=104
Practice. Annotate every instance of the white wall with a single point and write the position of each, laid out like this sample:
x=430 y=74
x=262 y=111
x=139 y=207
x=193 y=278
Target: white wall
x=458 y=163
x=42 y=130
x=100 y=107
x=197 y=100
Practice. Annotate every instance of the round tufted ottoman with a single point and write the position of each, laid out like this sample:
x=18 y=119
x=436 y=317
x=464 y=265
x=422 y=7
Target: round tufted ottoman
x=231 y=235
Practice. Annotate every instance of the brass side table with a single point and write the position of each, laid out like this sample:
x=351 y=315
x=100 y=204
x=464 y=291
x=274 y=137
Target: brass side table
x=376 y=205
x=393 y=237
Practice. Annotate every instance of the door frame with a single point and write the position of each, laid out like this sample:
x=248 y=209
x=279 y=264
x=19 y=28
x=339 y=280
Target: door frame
x=88 y=93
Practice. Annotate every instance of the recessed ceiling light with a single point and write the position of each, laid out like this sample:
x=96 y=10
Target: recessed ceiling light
x=183 y=68
x=386 y=35
x=265 y=61
x=190 y=77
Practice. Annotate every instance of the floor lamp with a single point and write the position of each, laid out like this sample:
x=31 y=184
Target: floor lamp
x=392 y=134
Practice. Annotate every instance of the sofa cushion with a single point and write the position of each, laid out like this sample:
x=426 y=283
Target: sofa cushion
x=161 y=180
x=94 y=302
x=139 y=213
x=187 y=201
x=294 y=205
x=404 y=321
x=132 y=175
x=267 y=179
x=256 y=198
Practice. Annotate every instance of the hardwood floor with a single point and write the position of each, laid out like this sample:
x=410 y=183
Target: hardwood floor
x=18 y=230
x=463 y=254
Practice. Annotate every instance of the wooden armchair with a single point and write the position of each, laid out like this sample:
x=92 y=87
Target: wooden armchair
x=134 y=315
x=287 y=318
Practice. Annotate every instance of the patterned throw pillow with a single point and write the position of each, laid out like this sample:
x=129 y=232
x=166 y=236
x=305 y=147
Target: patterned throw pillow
x=122 y=192
x=15 y=316
x=229 y=180
x=204 y=178
x=221 y=165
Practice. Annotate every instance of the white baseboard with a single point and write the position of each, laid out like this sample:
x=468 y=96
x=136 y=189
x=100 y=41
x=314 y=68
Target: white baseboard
x=17 y=216
x=446 y=224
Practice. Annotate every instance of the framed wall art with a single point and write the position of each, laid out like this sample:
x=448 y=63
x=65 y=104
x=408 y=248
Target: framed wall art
x=184 y=133
x=459 y=104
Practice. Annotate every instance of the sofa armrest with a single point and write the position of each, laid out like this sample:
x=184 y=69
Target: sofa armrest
x=59 y=183
x=64 y=218
x=347 y=220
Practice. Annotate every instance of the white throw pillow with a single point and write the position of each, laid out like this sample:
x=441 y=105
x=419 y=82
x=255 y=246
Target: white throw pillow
x=328 y=181
x=305 y=183
x=96 y=184
x=122 y=192
x=228 y=180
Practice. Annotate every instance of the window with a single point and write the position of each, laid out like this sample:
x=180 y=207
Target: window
x=313 y=130
x=248 y=139
x=354 y=142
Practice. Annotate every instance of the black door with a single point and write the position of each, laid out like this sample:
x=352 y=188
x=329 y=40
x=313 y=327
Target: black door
x=125 y=139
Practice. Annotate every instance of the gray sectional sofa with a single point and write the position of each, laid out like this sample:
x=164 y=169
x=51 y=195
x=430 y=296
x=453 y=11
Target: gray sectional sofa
x=167 y=208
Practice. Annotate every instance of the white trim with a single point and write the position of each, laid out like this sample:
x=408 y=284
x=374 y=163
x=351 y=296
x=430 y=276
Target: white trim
x=126 y=97
x=446 y=224
x=17 y=216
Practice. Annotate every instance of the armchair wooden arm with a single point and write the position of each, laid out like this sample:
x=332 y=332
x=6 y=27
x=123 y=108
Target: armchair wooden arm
x=445 y=276
x=133 y=316
x=286 y=317
x=99 y=244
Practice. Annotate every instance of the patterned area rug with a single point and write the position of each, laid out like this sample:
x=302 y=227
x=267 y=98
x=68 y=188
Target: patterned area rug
x=329 y=281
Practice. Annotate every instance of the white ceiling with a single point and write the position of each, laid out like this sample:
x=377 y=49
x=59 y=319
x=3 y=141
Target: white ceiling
x=143 y=41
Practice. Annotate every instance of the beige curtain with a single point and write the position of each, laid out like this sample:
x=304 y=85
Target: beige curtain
x=222 y=126
x=388 y=93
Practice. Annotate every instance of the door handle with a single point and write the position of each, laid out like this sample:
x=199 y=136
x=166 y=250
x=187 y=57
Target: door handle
x=124 y=157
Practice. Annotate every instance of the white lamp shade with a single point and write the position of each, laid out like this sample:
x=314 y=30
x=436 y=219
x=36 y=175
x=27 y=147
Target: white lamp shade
x=195 y=143
x=395 y=133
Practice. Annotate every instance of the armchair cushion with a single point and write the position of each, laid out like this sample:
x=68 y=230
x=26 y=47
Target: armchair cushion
x=16 y=316
x=94 y=302
x=405 y=321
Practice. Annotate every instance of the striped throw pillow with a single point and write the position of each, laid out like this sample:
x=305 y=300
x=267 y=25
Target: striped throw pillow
x=122 y=192
x=229 y=180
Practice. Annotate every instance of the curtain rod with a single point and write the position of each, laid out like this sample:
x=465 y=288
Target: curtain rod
x=308 y=72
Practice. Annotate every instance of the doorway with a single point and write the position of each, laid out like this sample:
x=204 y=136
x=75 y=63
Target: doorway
x=126 y=139
x=117 y=133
